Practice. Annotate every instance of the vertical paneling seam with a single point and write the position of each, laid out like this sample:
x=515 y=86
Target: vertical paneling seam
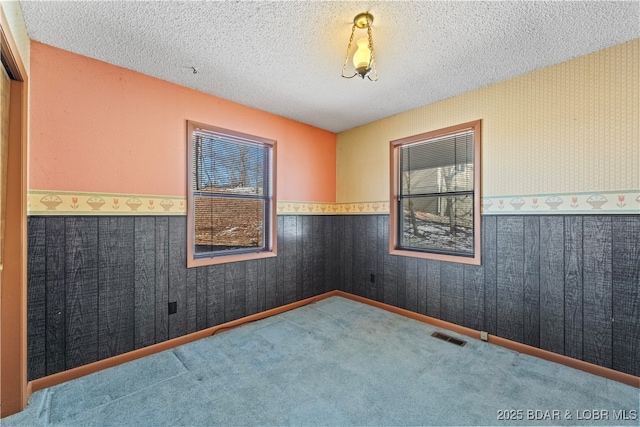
x=302 y=246
x=539 y=284
x=98 y=285
x=439 y=285
x=582 y=284
x=564 y=284
x=206 y=285
x=46 y=300
x=155 y=283
x=465 y=271
x=64 y=302
x=168 y=237
x=223 y=274
x=155 y=280
x=524 y=262
x=613 y=317
x=133 y=236
x=496 y=276
x=244 y=299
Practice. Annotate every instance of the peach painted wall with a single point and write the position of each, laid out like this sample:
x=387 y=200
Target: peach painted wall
x=95 y=127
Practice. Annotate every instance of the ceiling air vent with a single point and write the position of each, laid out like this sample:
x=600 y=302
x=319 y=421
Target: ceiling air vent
x=448 y=338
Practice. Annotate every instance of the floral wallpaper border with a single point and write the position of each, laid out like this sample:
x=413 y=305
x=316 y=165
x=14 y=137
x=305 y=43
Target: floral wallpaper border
x=314 y=208
x=79 y=203
x=603 y=202
x=41 y=202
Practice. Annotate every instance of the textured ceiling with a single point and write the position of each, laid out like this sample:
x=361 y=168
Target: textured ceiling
x=286 y=57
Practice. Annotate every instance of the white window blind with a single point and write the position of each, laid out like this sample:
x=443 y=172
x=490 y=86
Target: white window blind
x=232 y=195
x=436 y=195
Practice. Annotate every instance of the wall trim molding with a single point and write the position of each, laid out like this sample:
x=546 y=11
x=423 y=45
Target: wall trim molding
x=61 y=377
x=14 y=391
x=581 y=365
x=48 y=203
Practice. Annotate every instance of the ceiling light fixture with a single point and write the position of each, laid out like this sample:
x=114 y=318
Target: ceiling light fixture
x=364 y=59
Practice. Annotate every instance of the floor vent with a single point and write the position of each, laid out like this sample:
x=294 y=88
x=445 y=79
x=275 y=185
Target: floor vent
x=448 y=338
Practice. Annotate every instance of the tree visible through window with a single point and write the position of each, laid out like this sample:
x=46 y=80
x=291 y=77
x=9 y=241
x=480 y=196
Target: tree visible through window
x=435 y=199
x=230 y=204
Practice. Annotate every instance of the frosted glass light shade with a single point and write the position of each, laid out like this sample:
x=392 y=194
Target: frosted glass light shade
x=362 y=54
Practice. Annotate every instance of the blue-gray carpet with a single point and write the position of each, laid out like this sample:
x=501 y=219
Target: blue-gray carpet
x=334 y=362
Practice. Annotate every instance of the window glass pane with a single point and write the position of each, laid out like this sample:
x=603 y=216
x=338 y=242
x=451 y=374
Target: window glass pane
x=440 y=166
x=437 y=223
x=445 y=179
x=230 y=202
x=434 y=199
x=224 y=165
x=225 y=223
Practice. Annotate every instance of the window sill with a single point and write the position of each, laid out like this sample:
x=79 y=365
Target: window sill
x=437 y=257
x=229 y=258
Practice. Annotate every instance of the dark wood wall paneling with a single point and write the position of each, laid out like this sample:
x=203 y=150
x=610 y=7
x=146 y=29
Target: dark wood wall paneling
x=100 y=286
x=625 y=283
x=568 y=284
x=510 y=285
x=552 y=283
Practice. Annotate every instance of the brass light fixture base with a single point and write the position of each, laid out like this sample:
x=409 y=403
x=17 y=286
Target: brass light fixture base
x=363 y=20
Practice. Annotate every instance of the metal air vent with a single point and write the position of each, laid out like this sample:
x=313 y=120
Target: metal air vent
x=448 y=338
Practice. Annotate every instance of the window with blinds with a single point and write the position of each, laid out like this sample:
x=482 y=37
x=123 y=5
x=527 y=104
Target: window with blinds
x=230 y=204
x=435 y=195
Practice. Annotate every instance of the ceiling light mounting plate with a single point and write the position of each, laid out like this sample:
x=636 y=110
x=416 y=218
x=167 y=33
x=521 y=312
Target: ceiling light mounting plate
x=363 y=20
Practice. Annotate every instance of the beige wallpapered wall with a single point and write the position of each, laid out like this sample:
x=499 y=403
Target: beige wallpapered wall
x=571 y=128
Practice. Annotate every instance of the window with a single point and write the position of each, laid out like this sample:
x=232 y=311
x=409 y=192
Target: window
x=435 y=197
x=231 y=207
